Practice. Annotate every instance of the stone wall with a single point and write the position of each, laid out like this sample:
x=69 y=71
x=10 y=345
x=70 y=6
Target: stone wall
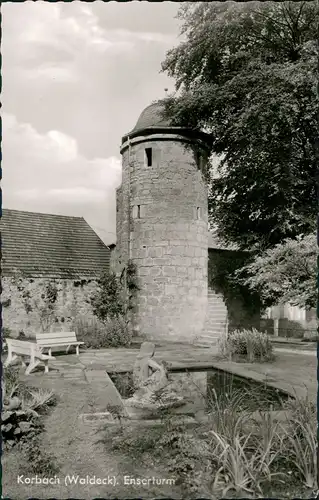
x=167 y=230
x=25 y=308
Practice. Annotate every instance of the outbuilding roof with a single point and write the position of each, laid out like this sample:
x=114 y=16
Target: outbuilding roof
x=46 y=245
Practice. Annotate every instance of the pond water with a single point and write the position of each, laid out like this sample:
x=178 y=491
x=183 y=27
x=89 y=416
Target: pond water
x=249 y=394
x=217 y=386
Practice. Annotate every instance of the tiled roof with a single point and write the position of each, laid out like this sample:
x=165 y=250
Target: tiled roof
x=36 y=245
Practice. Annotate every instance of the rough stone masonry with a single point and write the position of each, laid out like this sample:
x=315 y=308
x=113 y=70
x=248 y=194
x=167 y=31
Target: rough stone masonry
x=162 y=220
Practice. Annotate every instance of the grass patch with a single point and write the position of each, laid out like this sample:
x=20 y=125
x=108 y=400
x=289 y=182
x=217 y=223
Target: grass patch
x=36 y=460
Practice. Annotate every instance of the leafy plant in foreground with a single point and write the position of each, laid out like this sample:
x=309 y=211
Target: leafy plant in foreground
x=250 y=345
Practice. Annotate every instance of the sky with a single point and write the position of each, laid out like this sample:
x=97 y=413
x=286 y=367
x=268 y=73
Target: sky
x=75 y=78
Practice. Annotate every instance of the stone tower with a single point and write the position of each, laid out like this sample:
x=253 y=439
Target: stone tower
x=162 y=225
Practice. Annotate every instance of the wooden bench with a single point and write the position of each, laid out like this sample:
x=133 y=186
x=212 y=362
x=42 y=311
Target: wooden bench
x=58 y=339
x=22 y=349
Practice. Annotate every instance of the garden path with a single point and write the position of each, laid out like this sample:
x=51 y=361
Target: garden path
x=79 y=447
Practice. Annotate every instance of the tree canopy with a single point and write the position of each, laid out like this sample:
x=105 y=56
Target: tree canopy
x=247 y=74
x=286 y=273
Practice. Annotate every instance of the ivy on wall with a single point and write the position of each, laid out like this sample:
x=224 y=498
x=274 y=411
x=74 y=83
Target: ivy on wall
x=116 y=295
x=43 y=305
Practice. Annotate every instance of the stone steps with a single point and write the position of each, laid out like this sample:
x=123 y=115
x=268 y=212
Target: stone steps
x=213 y=325
x=213 y=319
x=208 y=338
x=211 y=302
x=214 y=333
x=216 y=311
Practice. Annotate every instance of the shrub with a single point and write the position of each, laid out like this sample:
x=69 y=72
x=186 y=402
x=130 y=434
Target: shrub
x=115 y=294
x=254 y=455
x=6 y=332
x=22 y=407
x=89 y=330
x=113 y=332
x=135 y=444
x=108 y=301
x=118 y=332
x=311 y=336
x=300 y=441
x=250 y=345
x=10 y=381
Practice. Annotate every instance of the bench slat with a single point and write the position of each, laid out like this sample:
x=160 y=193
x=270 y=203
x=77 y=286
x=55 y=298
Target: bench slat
x=65 y=340
x=56 y=339
x=15 y=342
x=43 y=344
x=55 y=335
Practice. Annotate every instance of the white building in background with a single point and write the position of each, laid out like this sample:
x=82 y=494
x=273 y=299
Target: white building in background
x=290 y=321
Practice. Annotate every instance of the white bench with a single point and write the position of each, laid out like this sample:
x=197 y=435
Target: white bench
x=22 y=349
x=57 y=339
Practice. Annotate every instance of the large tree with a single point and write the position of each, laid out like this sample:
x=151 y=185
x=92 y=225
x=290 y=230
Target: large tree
x=247 y=73
x=285 y=273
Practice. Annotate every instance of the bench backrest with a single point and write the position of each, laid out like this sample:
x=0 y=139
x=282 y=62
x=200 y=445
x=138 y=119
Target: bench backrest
x=22 y=347
x=55 y=338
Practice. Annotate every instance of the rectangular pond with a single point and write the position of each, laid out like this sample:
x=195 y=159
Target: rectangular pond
x=204 y=389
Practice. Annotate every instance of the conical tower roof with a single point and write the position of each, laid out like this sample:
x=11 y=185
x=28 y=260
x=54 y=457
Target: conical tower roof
x=153 y=120
x=152 y=116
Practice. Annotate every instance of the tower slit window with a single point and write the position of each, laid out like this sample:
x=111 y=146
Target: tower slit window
x=198 y=212
x=137 y=212
x=148 y=157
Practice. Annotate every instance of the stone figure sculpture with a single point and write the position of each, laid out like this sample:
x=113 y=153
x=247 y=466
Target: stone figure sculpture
x=150 y=379
x=147 y=372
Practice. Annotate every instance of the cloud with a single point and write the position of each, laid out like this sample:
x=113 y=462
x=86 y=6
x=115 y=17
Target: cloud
x=47 y=41
x=134 y=38
x=86 y=70
x=75 y=78
x=138 y=16
x=45 y=172
x=44 y=42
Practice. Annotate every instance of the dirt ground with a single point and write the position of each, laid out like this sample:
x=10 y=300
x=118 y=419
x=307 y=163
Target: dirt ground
x=79 y=451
